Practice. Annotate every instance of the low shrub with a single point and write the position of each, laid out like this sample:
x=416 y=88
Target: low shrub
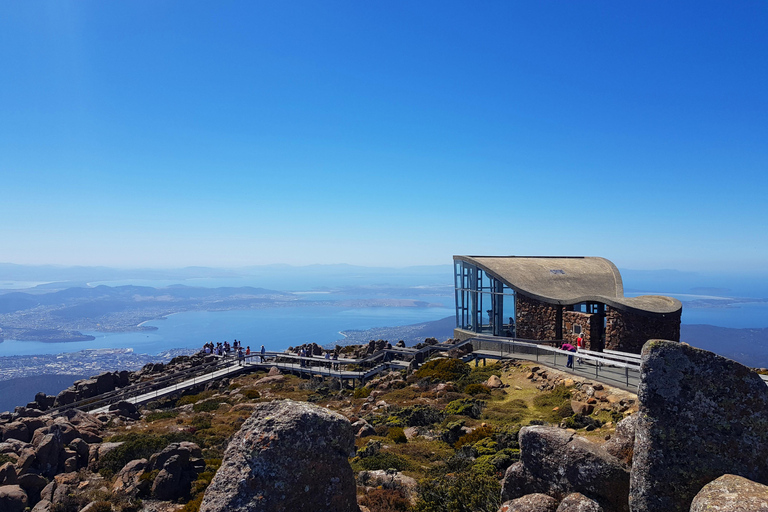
x=382 y=460
x=466 y=491
x=474 y=436
x=419 y=415
x=251 y=394
x=578 y=421
x=160 y=415
x=207 y=405
x=476 y=389
x=363 y=392
x=397 y=435
x=443 y=370
x=385 y=500
x=465 y=407
x=191 y=399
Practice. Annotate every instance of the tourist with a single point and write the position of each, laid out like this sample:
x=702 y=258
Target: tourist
x=263 y=353
x=579 y=346
x=240 y=356
x=569 y=348
x=248 y=350
x=335 y=358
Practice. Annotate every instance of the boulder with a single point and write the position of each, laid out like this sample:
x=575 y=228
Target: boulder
x=125 y=409
x=8 y=474
x=43 y=506
x=582 y=407
x=128 y=481
x=66 y=397
x=33 y=484
x=16 y=430
x=577 y=502
x=105 y=383
x=701 y=416
x=622 y=444
x=26 y=460
x=285 y=456
x=536 y=502
x=556 y=462
x=731 y=493
x=178 y=465
x=12 y=498
x=48 y=454
x=494 y=382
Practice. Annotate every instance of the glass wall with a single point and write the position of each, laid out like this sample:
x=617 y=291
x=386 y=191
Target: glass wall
x=484 y=304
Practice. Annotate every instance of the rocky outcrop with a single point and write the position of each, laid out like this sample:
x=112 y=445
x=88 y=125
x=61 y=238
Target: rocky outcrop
x=701 y=416
x=286 y=456
x=530 y=503
x=128 y=481
x=731 y=493
x=557 y=463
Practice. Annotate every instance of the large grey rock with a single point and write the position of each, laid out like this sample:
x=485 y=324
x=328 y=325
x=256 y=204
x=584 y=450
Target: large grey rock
x=556 y=462
x=577 y=502
x=701 y=416
x=530 y=503
x=12 y=498
x=287 y=456
x=731 y=493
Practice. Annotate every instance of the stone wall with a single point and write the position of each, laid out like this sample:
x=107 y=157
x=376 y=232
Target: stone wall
x=590 y=328
x=628 y=331
x=535 y=320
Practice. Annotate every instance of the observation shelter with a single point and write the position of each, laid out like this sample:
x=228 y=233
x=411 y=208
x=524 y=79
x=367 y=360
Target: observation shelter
x=554 y=299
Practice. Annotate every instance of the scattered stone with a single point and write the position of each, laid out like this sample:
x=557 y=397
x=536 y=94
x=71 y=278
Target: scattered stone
x=536 y=502
x=701 y=416
x=125 y=409
x=731 y=493
x=494 y=382
x=286 y=455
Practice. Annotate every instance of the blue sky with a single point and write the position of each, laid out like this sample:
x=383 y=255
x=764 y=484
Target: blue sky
x=149 y=133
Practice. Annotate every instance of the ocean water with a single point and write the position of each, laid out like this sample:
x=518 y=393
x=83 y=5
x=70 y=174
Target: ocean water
x=275 y=328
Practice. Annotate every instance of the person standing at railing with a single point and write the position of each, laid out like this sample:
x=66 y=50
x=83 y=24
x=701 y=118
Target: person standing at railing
x=263 y=353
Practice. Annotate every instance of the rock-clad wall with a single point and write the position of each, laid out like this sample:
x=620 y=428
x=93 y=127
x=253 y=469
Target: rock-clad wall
x=590 y=328
x=628 y=331
x=536 y=320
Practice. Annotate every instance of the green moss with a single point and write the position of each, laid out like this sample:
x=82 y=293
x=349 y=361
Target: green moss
x=382 y=460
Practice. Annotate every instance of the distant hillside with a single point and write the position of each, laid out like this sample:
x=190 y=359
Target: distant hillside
x=412 y=334
x=747 y=346
x=22 y=390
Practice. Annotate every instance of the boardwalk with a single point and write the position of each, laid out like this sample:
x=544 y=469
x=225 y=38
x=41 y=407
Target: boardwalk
x=618 y=369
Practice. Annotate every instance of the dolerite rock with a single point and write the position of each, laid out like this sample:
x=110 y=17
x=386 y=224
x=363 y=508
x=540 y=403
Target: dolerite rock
x=125 y=409
x=8 y=474
x=287 y=456
x=32 y=484
x=128 y=481
x=16 y=430
x=731 y=493
x=701 y=416
x=556 y=462
x=12 y=498
x=530 y=503
x=178 y=465
x=622 y=444
x=577 y=502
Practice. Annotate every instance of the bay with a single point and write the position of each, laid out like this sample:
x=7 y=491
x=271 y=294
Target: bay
x=276 y=328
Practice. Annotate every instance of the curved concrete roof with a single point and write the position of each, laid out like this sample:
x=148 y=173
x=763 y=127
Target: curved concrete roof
x=569 y=280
